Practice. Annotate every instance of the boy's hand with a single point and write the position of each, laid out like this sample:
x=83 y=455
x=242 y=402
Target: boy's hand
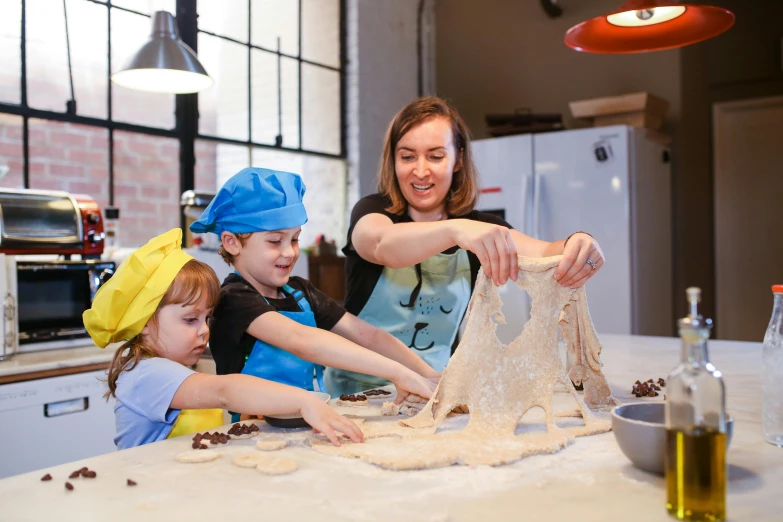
x=411 y=382
x=324 y=419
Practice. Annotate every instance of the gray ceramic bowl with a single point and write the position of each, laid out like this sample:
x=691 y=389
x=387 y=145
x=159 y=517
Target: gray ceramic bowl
x=640 y=431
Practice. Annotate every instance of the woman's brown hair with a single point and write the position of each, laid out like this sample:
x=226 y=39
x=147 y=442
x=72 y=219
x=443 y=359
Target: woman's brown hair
x=461 y=198
x=195 y=282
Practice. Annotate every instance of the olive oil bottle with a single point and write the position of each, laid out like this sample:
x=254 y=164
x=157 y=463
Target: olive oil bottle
x=695 y=462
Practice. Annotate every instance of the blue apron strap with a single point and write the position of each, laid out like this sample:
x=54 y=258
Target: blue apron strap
x=305 y=306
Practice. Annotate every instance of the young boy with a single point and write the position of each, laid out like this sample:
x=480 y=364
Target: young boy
x=282 y=328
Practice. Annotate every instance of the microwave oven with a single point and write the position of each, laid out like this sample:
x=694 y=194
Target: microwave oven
x=51 y=297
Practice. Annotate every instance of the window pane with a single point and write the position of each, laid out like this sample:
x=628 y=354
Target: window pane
x=148 y=6
x=10 y=52
x=320 y=109
x=70 y=157
x=273 y=18
x=230 y=159
x=226 y=18
x=11 y=152
x=290 y=92
x=321 y=31
x=223 y=107
x=206 y=166
x=265 y=100
x=325 y=197
x=146 y=186
x=128 y=33
x=48 y=84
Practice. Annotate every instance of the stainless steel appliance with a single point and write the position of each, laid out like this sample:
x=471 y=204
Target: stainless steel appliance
x=51 y=298
x=50 y=222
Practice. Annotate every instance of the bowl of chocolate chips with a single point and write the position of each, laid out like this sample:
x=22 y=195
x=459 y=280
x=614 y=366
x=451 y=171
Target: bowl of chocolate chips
x=294 y=420
x=640 y=431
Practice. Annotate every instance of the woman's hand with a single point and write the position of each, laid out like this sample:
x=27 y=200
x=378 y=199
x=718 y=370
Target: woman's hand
x=493 y=245
x=574 y=269
x=325 y=420
x=411 y=382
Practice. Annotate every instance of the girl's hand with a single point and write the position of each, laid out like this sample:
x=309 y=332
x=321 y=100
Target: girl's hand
x=574 y=270
x=325 y=420
x=493 y=245
x=411 y=382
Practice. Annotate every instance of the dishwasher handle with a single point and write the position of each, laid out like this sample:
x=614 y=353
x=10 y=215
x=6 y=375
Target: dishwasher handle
x=56 y=409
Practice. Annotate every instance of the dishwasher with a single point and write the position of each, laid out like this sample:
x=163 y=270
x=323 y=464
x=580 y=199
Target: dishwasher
x=51 y=421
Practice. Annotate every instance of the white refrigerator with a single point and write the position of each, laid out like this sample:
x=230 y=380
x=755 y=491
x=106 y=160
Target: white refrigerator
x=612 y=182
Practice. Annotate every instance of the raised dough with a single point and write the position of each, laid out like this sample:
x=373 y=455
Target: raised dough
x=499 y=384
x=196 y=456
x=248 y=460
x=276 y=466
x=271 y=445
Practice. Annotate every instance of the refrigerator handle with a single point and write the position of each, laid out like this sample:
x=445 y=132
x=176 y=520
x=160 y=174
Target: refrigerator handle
x=526 y=204
x=537 y=186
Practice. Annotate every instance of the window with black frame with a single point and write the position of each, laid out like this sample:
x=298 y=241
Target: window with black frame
x=278 y=101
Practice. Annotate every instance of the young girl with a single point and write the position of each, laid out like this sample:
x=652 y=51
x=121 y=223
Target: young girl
x=159 y=302
x=279 y=327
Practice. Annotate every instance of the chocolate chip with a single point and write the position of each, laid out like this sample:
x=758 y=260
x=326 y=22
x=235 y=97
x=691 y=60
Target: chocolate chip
x=661 y=382
x=75 y=474
x=69 y=486
x=203 y=446
x=223 y=439
x=91 y=474
x=361 y=398
x=637 y=381
x=253 y=428
x=236 y=425
x=131 y=482
x=654 y=394
x=343 y=397
x=197 y=437
x=84 y=472
x=46 y=477
x=85 y=468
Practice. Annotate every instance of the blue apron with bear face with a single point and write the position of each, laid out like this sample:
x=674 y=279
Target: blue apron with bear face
x=422 y=306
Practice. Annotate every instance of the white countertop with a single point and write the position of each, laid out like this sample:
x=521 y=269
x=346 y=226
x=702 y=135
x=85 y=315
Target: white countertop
x=29 y=362
x=588 y=481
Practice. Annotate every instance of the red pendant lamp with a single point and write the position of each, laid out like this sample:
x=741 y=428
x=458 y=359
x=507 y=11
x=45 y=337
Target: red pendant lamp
x=649 y=25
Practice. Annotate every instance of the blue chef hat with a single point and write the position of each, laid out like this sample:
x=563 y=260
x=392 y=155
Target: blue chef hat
x=255 y=200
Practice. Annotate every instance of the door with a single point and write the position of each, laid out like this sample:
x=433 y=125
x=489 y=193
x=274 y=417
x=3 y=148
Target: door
x=747 y=137
x=582 y=183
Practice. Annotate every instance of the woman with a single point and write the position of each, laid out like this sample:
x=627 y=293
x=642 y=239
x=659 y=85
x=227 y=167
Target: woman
x=415 y=248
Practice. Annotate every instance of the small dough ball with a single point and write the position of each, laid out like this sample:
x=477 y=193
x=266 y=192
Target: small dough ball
x=271 y=445
x=273 y=466
x=196 y=456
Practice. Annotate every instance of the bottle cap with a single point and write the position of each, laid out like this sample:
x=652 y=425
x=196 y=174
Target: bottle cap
x=777 y=289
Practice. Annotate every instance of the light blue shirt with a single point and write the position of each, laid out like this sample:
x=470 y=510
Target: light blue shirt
x=143 y=412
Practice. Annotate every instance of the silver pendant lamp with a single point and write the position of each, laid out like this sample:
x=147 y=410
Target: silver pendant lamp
x=165 y=63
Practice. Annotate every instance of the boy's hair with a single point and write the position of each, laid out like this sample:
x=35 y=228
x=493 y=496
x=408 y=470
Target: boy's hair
x=463 y=193
x=228 y=257
x=195 y=282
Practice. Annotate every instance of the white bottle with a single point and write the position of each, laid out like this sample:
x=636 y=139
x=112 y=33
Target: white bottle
x=772 y=385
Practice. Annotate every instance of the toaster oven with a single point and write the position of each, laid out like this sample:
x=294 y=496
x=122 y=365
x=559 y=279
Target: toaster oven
x=50 y=222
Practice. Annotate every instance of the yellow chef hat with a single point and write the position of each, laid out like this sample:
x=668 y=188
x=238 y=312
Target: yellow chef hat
x=124 y=304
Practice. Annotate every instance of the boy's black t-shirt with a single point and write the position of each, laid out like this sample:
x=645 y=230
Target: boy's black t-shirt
x=240 y=304
x=362 y=275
